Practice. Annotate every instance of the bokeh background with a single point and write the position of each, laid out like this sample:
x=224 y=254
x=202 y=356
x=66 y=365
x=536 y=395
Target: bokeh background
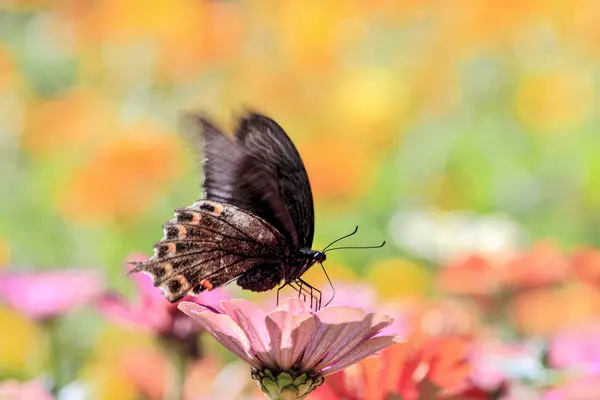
x=464 y=133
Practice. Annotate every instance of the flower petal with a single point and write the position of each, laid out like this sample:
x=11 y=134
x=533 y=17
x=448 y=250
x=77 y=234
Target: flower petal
x=294 y=306
x=370 y=326
x=289 y=336
x=363 y=350
x=340 y=329
x=251 y=319
x=224 y=329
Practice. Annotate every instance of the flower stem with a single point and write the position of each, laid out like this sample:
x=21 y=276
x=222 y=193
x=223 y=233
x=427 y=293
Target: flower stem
x=176 y=379
x=54 y=351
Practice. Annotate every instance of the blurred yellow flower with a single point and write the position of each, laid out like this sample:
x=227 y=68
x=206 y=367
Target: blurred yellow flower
x=554 y=101
x=400 y=278
x=337 y=273
x=76 y=119
x=109 y=383
x=4 y=252
x=121 y=180
x=113 y=368
x=20 y=345
x=369 y=105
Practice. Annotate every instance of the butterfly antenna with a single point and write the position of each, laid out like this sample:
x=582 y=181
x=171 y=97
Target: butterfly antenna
x=359 y=247
x=342 y=238
x=330 y=284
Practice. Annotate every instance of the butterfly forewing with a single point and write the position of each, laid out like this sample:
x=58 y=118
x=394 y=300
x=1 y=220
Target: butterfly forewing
x=285 y=186
x=221 y=161
x=207 y=245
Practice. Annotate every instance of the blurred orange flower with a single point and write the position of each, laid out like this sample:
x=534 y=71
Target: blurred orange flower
x=8 y=68
x=121 y=180
x=586 y=263
x=147 y=369
x=446 y=316
x=311 y=32
x=214 y=33
x=545 y=311
x=345 y=172
x=433 y=369
x=473 y=275
x=76 y=119
x=540 y=265
x=117 y=21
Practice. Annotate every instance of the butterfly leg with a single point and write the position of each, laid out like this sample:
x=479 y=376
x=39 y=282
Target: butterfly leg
x=313 y=297
x=302 y=291
x=279 y=290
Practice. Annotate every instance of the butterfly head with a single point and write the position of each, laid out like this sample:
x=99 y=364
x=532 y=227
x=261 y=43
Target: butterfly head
x=319 y=257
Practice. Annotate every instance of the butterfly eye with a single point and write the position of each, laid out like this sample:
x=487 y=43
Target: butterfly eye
x=319 y=257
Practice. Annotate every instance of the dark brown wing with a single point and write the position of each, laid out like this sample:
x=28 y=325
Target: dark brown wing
x=221 y=159
x=209 y=244
x=260 y=172
x=284 y=183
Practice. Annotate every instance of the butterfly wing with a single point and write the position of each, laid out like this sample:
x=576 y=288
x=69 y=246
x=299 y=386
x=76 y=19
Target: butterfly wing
x=260 y=172
x=283 y=184
x=209 y=244
x=221 y=160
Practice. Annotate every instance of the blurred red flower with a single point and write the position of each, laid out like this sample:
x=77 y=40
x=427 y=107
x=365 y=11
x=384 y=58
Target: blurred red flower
x=434 y=369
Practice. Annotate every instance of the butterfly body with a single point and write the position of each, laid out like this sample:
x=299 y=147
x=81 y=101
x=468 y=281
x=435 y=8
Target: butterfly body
x=255 y=223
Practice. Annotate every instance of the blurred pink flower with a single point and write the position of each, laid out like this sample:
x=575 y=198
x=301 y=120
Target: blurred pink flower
x=47 y=294
x=494 y=363
x=577 y=347
x=152 y=312
x=365 y=297
x=15 y=390
x=293 y=343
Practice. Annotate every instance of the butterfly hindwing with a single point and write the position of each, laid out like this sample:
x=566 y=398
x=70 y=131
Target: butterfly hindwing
x=207 y=245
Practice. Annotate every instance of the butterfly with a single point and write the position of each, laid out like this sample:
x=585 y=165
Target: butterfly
x=255 y=221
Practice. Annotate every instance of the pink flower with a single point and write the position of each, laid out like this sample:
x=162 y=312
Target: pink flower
x=364 y=296
x=48 y=294
x=577 y=347
x=152 y=312
x=290 y=348
x=494 y=363
x=32 y=390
